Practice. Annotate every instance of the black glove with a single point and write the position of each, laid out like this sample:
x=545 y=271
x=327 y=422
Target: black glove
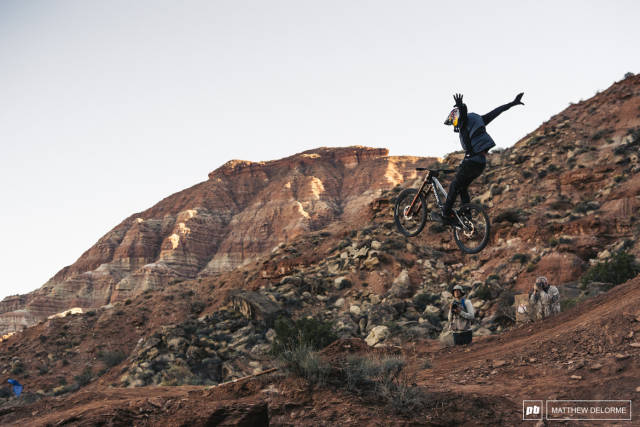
x=518 y=100
x=458 y=98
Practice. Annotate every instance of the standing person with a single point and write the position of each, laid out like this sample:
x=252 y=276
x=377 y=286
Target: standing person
x=461 y=315
x=540 y=300
x=476 y=143
x=554 y=295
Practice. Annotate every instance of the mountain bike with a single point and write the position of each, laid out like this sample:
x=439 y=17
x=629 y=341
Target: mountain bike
x=471 y=225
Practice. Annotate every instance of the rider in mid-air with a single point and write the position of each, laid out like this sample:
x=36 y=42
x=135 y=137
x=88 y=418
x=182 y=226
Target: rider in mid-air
x=476 y=143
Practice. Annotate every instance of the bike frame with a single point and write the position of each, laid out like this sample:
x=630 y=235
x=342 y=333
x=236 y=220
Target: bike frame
x=434 y=185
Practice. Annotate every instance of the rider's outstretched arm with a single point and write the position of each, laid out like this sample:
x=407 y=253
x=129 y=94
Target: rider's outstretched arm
x=462 y=108
x=488 y=118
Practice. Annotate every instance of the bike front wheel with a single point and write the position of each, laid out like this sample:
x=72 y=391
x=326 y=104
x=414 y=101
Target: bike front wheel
x=410 y=223
x=473 y=236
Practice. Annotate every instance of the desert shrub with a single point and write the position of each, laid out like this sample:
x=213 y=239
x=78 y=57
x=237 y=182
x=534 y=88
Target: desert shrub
x=178 y=374
x=568 y=303
x=67 y=389
x=84 y=378
x=522 y=258
x=111 y=358
x=197 y=307
x=5 y=392
x=601 y=134
x=630 y=146
x=315 y=333
x=17 y=368
x=493 y=277
x=512 y=216
x=299 y=359
x=382 y=380
x=43 y=369
x=621 y=267
x=584 y=207
x=505 y=311
x=421 y=300
x=483 y=292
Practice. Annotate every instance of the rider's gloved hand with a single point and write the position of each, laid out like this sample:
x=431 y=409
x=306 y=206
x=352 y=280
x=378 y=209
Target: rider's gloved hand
x=458 y=98
x=518 y=100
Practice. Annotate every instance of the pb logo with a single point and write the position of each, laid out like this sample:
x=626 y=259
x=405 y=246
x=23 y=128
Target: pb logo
x=532 y=409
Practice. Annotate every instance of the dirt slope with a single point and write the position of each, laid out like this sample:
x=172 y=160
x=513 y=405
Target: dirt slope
x=483 y=384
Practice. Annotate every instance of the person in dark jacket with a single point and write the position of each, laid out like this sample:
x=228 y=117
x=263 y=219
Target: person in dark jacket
x=475 y=142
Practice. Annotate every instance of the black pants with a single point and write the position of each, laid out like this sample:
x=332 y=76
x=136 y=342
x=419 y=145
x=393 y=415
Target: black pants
x=462 y=338
x=467 y=172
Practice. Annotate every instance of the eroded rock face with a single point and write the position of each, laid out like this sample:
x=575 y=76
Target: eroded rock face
x=243 y=210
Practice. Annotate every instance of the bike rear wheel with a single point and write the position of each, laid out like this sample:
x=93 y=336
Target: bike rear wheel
x=410 y=223
x=473 y=236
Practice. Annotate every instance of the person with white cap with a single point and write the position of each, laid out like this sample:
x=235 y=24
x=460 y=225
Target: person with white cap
x=461 y=315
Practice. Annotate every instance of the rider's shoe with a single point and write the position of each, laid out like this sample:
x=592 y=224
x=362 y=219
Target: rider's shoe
x=446 y=219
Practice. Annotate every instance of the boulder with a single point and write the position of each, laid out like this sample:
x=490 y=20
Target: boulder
x=253 y=305
x=355 y=310
x=432 y=310
x=377 y=335
x=446 y=338
x=341 y=283
x=480 y=332
x=401 y=286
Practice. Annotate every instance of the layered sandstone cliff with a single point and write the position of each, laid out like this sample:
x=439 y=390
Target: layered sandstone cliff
x=242 y=211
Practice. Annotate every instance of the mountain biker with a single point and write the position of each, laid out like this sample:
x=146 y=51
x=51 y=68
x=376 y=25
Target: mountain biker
x=476 y=142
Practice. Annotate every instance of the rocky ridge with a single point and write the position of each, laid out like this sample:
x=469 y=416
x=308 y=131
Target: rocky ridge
x=243 y=210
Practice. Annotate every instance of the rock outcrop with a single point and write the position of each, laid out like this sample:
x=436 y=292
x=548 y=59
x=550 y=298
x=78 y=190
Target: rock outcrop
x=243 y=210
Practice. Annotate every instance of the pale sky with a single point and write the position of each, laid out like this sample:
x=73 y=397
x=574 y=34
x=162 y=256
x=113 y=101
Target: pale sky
x=106 y=107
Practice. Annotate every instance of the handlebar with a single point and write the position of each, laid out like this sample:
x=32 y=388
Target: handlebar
x=436 y=171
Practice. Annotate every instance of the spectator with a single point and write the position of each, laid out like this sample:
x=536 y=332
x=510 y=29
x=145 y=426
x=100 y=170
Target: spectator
x=461 y=315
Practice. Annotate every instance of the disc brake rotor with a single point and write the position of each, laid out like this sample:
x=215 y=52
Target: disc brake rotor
x=469 y=229
x=405 y=211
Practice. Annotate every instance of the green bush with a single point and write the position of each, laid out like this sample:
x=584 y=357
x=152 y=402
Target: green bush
x=314 y=333
x=621 y=267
